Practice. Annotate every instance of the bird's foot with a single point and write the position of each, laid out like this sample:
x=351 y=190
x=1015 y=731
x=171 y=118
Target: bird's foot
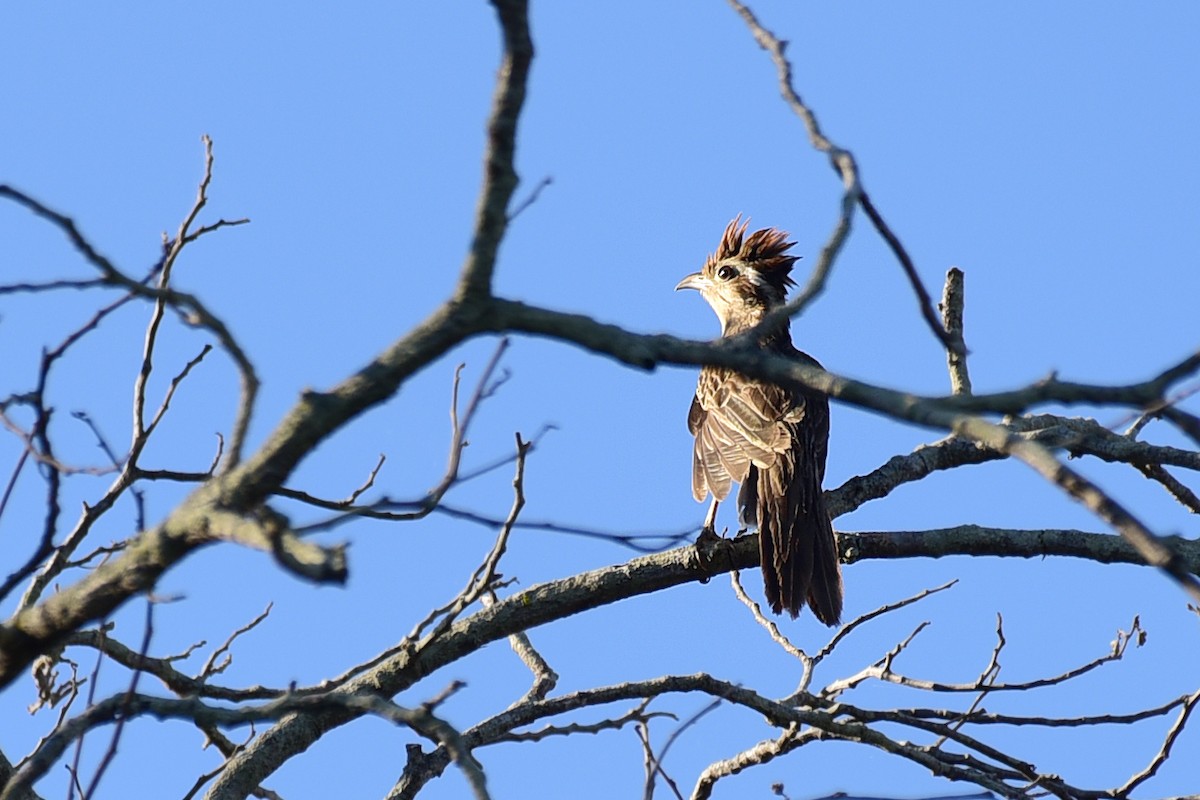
x=746 y=530
x=709 y=537
x=707 y=544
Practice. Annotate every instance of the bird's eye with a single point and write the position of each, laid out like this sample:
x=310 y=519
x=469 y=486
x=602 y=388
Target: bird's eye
x=726 y=272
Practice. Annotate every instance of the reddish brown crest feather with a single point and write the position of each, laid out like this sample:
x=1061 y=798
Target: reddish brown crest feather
x=765 y=250
x=731 y=240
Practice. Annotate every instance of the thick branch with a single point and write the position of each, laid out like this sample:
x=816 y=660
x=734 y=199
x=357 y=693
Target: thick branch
x=653 y=350
x=977 y=540
x=500 y=175
x=953 y=299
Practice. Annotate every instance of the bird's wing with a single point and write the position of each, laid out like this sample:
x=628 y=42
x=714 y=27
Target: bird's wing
x=811 y=416
x=738 y=422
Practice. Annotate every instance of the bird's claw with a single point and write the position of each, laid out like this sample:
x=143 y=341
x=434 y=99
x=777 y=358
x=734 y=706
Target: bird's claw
x=745 y=530
x=706 y=547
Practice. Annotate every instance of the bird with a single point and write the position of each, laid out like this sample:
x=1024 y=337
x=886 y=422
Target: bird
x=771 y=440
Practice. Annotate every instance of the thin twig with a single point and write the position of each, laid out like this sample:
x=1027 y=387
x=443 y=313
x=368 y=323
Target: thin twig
x=653 y=764
x=123 y=717
x=773 y=631
x=1186 y=497
x=460 y=424
x=682 y=728
x=214 y=664
x=91 y=703
x=531 y=199
x=482 y=580
x=178 y=379
x=14 y=288
x=948 y=338
x=139 y=497
x=544 y=676
x=986 y=678
x=887 y=608
x=1164 y=752
x=637 y=714
x=12 y=482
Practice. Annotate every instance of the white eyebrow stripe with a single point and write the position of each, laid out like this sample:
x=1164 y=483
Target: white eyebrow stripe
x=755 y=277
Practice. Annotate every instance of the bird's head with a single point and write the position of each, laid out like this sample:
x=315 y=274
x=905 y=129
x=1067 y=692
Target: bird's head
x=746 y=277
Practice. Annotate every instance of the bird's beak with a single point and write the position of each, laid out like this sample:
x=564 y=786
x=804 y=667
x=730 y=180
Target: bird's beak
x=695 y=281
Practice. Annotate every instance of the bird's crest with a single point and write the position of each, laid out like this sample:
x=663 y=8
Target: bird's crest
x=765 y=250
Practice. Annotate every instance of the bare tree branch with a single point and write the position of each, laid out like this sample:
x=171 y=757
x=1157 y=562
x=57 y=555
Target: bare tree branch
x=1186 y=497
x=953 y=299
x=500 y=176
x=1164 y=752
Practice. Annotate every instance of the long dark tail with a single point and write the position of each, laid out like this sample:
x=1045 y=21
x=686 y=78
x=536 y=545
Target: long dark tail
x=795 y=541
x=825 y=591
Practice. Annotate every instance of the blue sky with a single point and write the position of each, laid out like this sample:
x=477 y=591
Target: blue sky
x=1048 y=150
